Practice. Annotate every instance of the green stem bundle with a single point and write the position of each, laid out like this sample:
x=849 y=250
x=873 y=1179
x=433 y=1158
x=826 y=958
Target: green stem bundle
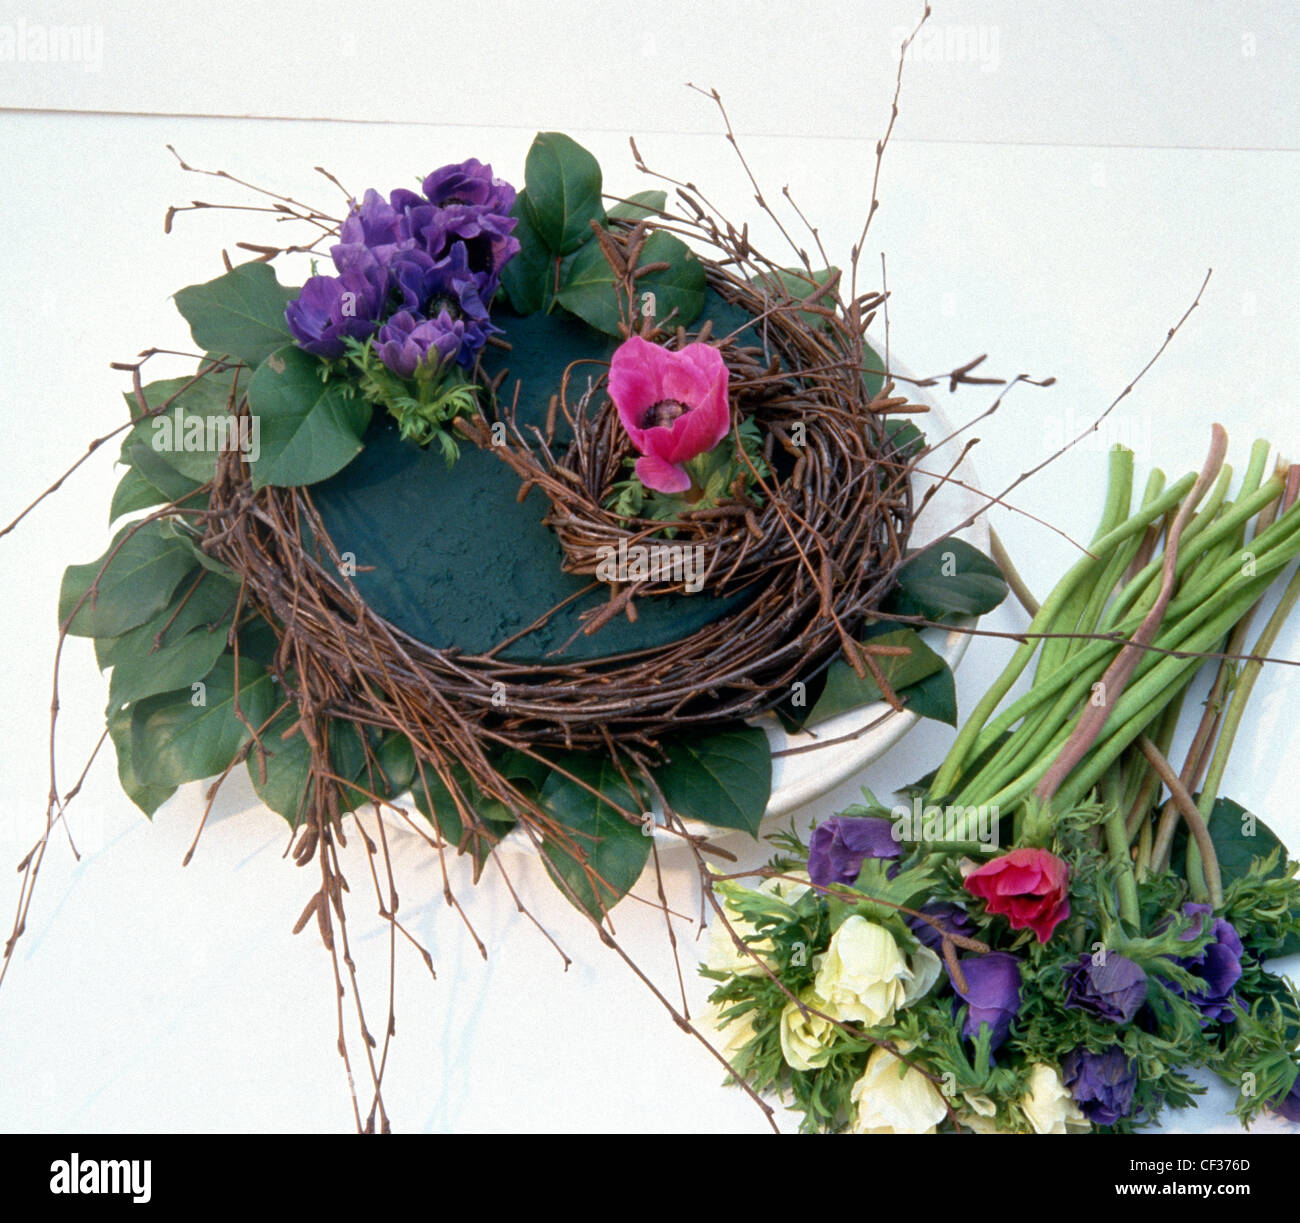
x=1137 y=616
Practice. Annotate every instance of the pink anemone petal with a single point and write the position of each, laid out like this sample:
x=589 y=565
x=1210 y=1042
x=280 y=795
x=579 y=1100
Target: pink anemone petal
x=659 y=441
x=636 y=375
x=699 y=430
x=660 y=475
x=706 y=361
x=643 y=374
x=682 y=382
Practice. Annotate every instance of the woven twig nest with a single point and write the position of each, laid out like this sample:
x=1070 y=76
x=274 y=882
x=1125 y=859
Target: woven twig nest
x=837 y=492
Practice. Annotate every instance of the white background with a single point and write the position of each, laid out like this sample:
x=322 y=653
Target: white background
x=1054 y=202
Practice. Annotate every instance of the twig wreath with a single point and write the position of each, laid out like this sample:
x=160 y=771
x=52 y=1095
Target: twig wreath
x=237 y=634
x=725 y=427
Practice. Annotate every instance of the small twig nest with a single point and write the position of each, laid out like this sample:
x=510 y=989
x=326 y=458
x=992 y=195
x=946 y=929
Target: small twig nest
x=834 y=478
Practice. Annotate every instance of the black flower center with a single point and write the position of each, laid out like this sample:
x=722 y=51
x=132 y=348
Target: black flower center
x=441 y=302
x=663 y=413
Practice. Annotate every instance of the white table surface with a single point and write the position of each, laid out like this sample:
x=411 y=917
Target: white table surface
x=1053 y=200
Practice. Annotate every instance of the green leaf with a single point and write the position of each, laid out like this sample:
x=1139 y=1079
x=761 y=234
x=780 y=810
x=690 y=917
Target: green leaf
x=800 y=285
x=396 y=760
x=288 y=765
x=873 y=370
x=640 y=205
x=934 y=697
x=844 y=690
x=209 y=605
x=136 y=582
x=240 y=314
x=435 y=802
x=201 y=414
x=519 y=766
x=588 y=288
x=174 y=739
x=724 y=779
x=178 y=663
x=562 y=191
x=159 y=472
x=133 y=493
x=190 y=542
x=526 y=274
x=1238 y=837
x=907 y=439
x=348 y=758
x=950 y=578
x=145 y=796
x=681 y=286
x=309 y=429
x=613 y=850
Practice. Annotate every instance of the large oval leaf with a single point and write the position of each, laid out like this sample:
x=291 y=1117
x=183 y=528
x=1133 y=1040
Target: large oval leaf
x=524 y=277
x=588 y=289
x=205 y=606
x=639 y=205
x=287 y=765
x=306 y=429
x=724 y=779
x=933 y=697
x=283 y=786
x=240 y=314
x=800 y=285
x=609 y=853
x=949 y=578
x=180 y=662
x=155 y=468
x=435 y=802
x=189 y=434
x=845 y=690
x=145 y=796
x=563 y=191
x=133 y=493
x=137 y=581
x=1239 y=838
x=174 y=739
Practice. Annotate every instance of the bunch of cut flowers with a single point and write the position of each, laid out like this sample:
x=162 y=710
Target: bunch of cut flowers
x=1059 y=926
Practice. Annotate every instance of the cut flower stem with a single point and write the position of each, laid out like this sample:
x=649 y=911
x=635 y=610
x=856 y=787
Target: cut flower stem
x=1162 y=609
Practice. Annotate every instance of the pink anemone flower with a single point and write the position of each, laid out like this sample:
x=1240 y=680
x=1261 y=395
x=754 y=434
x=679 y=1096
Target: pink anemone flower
x=673 y=406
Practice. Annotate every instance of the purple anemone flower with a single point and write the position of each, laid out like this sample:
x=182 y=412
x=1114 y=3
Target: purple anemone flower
x=485 y=236
x=469 y=182
x=461 y=203
x=1113 y=989
x=840 y=844
x=1101 y=1083
x=953 y=918
x=429 y=286
x=406 y=343
x=331 y=308
x=1218 y=964
x=431 y=261
x=370 y=235
x=992 y=994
